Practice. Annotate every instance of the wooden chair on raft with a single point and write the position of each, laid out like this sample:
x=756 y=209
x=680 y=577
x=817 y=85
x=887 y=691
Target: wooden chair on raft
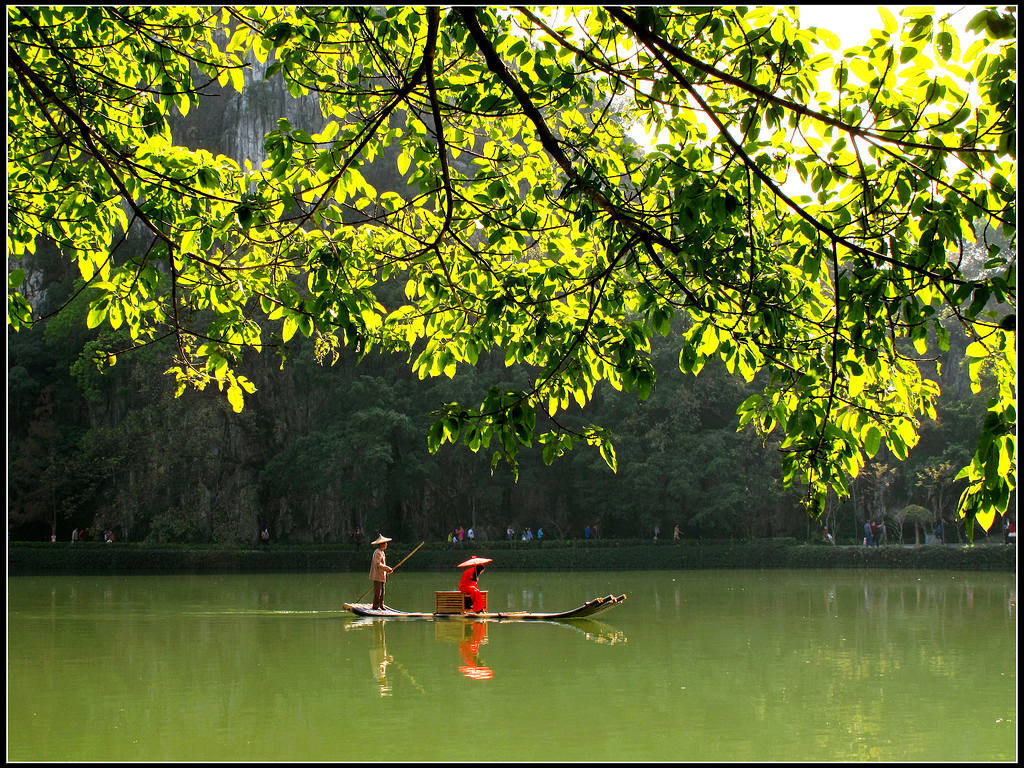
x=455 y=602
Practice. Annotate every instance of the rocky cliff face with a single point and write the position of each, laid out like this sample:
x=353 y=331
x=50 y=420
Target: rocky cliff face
x=234 y=124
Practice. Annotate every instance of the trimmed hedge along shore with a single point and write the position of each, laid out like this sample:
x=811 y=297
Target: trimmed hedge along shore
x=36 y=558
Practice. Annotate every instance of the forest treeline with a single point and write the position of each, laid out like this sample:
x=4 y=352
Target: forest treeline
x=97 y=558
x=325 y=448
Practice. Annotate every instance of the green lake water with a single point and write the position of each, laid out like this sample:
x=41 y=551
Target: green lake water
x=694 y=666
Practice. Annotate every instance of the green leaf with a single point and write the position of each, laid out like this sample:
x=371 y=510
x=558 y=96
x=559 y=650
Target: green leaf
x=435 y=436
x=97 y=314
x=888 y=20
x=607 y=451
x=236 y=398
x=872 y=441
x=291 y=324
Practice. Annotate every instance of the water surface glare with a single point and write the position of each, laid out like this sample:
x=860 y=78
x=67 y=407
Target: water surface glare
x=695 y=665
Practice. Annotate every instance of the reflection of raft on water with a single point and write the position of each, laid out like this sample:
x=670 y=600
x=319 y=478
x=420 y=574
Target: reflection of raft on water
x=588 y=609
x=454 y=631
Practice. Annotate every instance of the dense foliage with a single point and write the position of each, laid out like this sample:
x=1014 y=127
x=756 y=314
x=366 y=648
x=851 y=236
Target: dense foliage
x=531 y=229
x=325 y=449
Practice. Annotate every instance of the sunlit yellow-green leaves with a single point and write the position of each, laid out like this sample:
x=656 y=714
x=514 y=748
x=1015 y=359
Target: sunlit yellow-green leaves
x=807 y=218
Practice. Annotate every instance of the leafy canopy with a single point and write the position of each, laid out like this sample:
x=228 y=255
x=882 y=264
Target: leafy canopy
x=806 y=217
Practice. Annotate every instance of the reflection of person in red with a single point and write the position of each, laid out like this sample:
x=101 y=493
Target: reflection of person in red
x=469 y=649
x=468 y=583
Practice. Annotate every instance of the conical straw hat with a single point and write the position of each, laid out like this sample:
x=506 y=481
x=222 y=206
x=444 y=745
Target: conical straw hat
x=474 y=560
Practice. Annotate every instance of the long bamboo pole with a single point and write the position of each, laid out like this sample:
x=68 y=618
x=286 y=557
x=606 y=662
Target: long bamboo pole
x=392 y=571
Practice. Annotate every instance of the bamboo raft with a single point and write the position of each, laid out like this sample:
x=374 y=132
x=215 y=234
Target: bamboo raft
x=444 y=610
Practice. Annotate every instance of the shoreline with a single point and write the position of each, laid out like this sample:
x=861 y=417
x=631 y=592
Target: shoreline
x=92 y=558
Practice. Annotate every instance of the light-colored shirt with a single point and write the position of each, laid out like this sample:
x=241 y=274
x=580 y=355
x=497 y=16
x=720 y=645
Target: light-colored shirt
x=378 y=566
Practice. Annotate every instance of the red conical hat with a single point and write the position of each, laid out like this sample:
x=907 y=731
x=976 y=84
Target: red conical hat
x=474 y=560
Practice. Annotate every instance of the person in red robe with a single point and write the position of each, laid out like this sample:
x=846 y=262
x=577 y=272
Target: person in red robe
x=468 y=586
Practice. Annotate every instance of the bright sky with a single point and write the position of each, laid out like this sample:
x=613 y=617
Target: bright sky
x=853 y=25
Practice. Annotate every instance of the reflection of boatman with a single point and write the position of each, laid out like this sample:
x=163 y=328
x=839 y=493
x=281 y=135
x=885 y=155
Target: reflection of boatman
x=469 y=649
x=468 y=583
x=379 y=571
x=380 y=658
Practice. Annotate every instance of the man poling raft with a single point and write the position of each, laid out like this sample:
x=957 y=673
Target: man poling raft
x=470 y=576
x=379 y=571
